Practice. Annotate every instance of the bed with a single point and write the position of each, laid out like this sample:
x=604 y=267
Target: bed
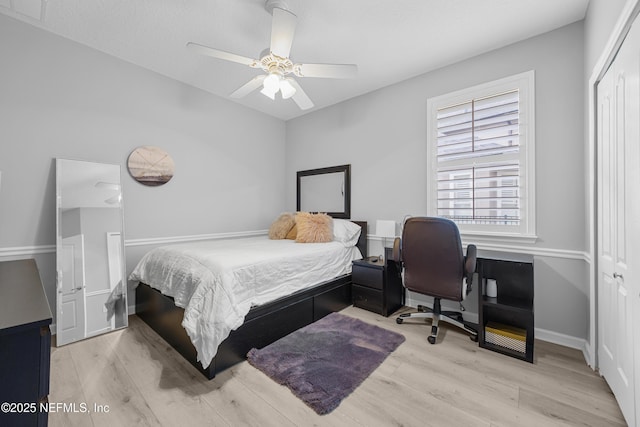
x=263 y=324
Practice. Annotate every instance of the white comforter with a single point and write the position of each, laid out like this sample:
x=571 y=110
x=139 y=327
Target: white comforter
x=217 y=282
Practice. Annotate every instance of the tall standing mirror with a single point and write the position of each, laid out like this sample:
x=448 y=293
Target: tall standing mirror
x=91 y=296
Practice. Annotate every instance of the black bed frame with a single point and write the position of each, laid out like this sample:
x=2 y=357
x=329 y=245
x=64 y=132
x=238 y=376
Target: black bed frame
x=263 y=324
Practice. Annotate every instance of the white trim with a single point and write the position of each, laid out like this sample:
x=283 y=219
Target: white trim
x=586 y=352
x=560 y=339
x=500 y=237
x=529 y=250
x=565 y=341
x=627 y=16
x=97 y=293
x=21 y=251
x=526 y=83
x=534 y=250
x=193 y=238
x=18 y=251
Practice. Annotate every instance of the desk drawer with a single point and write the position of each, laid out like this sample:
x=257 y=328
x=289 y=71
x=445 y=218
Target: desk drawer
x=367 y=298
x=371 y=277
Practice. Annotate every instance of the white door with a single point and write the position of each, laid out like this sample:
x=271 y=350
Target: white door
x=618 y=187
x=71 y=291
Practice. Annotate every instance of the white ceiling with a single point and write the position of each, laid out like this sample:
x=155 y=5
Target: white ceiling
x=390 y=40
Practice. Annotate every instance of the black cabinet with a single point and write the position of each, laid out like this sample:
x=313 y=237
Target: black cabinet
x=25 y=345
x=506 y=322
x=377 y=286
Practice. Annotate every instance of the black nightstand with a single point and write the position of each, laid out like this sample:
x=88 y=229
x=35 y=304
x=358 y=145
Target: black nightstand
x=377 y=286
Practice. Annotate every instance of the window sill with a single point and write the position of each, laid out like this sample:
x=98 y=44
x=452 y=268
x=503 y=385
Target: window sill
x=489 y=239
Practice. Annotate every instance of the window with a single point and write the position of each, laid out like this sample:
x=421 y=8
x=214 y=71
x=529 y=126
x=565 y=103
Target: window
x=481 y=147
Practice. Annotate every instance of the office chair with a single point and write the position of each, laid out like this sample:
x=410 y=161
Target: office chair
x=430 y=253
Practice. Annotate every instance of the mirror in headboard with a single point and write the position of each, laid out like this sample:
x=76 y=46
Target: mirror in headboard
x=325 y=190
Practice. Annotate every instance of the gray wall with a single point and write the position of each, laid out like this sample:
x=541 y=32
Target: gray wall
x=383 y=135
x=602 y=16
x=61 y=99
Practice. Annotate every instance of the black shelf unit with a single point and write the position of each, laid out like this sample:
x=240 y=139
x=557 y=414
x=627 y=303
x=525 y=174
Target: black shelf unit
x=514 y=304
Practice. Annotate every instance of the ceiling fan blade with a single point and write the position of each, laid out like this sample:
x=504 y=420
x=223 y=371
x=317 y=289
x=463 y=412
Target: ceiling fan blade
x=329 y=71
x=300 y=98
x=283 y=26
x=249 y=87
x=221 y=54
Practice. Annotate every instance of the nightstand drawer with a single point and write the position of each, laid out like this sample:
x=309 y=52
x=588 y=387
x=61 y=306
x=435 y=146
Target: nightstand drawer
x=365 y=276
x=367 y=298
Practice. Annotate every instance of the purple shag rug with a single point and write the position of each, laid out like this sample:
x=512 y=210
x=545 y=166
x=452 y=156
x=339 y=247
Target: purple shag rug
x=325 y=361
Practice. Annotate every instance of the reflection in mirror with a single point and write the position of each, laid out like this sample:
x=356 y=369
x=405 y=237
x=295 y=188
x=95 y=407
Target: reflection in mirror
x=325 y=190
x=91 y=291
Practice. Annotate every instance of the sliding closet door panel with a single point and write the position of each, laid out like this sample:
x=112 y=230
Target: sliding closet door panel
x=618 y=138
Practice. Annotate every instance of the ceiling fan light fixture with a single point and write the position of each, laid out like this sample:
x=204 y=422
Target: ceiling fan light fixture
x=272 y=82
x=287 y=89
x=269 y=93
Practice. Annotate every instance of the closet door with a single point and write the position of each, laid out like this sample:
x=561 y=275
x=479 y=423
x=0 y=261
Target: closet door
x=618 y=190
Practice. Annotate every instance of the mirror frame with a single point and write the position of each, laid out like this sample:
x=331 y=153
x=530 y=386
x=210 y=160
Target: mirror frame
x=59 y=166
x=346 y=170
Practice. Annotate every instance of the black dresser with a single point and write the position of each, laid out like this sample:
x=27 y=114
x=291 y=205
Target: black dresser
x=25 y=345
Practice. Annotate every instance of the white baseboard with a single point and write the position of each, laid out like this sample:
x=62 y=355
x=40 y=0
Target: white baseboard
x=567 y=341
x=561 y=339
x=540 y=334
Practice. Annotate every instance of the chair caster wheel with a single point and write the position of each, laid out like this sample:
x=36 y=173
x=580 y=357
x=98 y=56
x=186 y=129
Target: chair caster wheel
x=399 y=320
x=474 y=338
x=432 y=340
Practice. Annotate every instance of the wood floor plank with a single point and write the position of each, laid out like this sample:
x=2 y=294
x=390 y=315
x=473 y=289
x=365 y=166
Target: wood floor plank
x=66 y=387
x=106 y=382
x=171 y=396
x=454 y=382
x=280 y=397
x=240 y=406
x=401 y=404
x=564 y=413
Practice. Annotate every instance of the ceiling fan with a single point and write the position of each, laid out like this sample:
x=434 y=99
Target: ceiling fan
x=276 y=63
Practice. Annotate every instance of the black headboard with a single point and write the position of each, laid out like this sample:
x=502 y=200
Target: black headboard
x=362 y=240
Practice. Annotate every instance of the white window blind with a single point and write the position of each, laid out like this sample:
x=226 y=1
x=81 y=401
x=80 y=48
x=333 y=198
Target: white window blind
x=481 y=151
x=487 y=191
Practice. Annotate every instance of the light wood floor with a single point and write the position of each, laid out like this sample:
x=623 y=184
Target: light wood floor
x=452 y=383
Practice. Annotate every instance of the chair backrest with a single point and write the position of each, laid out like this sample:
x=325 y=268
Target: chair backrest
x=432 y=257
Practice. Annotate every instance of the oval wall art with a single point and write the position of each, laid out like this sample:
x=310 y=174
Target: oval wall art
x=150 y=165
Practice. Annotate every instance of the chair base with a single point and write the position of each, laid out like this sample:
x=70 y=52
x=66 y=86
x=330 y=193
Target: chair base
x=436 y=315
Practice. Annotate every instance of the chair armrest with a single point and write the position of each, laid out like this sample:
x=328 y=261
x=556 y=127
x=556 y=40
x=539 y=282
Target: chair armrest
x=470 y=265
x=396 y=254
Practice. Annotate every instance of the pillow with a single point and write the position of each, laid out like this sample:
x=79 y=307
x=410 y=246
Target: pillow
x=346 y=232
x=293 y=233
x=314 y=228
x=281 y=226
